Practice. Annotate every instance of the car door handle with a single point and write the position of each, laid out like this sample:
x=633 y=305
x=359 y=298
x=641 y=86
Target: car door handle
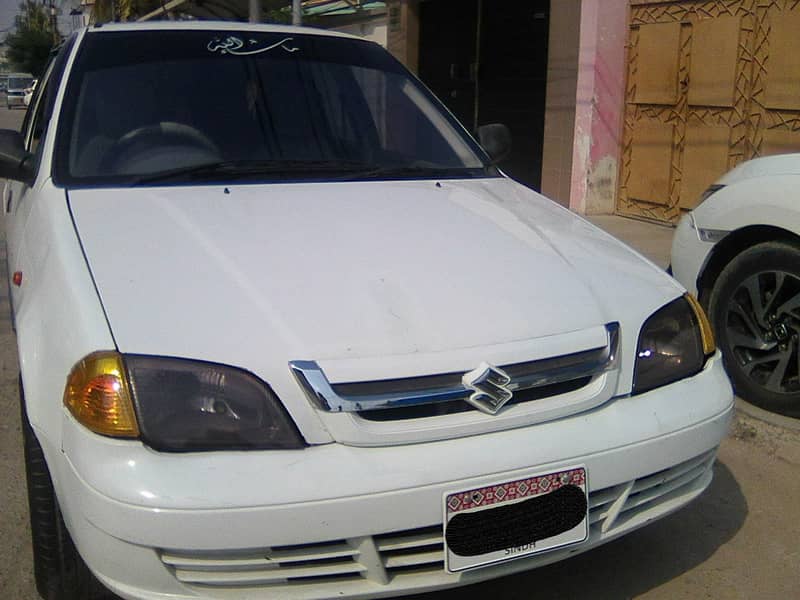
x=8 y=202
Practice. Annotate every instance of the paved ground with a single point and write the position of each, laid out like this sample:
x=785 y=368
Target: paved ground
x=739 y=540
x=654 y=241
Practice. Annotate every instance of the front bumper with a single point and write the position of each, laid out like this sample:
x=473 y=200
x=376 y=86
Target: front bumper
x=366 y=522
x=689 y=253
x=14 y=100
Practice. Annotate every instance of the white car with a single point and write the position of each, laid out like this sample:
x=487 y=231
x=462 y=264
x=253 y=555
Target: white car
x=293 y=335
x=17 y=85
x=739 y=250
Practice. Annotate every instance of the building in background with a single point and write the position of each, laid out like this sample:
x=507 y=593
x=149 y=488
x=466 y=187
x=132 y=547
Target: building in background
x=627 y=106
x=365 y=19
x=553 y=71
x=709 y=85
x=78 y=11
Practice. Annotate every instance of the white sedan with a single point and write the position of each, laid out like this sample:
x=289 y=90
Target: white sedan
x=739 y=250
x=294 y=335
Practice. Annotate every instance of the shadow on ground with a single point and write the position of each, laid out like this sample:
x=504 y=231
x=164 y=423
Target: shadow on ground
x=633 y=564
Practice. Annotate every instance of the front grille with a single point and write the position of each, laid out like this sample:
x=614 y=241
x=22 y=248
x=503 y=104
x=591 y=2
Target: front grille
x=432 y=395
x=459 y=406
x=372 y=562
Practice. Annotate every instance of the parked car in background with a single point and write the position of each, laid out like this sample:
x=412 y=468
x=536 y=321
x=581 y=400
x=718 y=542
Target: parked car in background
x=740 y=251
x=15 y=92
x=26 y=100
x=294 y=335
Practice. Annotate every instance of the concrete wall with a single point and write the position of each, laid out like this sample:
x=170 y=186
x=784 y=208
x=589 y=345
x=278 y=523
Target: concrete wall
x=562 y=80
x=600 y=101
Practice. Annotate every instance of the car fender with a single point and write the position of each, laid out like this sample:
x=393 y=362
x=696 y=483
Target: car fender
x=770 y=201
x=59 y=316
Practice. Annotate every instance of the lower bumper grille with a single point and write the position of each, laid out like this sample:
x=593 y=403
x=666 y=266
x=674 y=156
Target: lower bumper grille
x=376 y=561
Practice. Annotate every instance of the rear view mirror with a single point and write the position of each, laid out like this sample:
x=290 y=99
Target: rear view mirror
x=496 y=140
x=15 y=162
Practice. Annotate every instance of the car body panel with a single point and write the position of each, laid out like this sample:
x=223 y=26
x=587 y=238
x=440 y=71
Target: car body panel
x=346 y=297
x=766 y=166
x=763 y=200
x=56 y=300
x=689 y=253
x=206 y=253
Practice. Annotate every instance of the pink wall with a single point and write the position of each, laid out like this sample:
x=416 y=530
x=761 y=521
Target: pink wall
x=600 y=105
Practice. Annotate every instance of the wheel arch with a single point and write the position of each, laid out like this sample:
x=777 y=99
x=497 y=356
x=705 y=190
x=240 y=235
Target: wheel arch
x=734 y=244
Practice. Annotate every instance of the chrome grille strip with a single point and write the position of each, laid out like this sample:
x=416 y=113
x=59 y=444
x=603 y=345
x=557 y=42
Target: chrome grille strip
x=356 y=397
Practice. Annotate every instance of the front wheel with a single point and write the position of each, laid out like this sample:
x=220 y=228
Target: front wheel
x=59 y=570
x=755 y=309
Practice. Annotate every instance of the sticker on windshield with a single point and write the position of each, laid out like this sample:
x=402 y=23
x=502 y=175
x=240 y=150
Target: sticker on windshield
x=234 y=45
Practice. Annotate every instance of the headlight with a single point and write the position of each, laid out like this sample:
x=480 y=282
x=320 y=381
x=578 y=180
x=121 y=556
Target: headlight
x=673 y=343
x=178 y=405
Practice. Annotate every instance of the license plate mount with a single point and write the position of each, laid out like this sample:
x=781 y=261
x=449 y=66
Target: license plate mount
x=513 y=519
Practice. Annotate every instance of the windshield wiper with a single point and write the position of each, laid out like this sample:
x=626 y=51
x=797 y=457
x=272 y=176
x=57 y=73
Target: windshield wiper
x=237 y=169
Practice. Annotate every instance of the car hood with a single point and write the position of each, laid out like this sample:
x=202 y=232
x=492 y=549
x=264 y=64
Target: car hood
x=780 y=164
x=257 y=275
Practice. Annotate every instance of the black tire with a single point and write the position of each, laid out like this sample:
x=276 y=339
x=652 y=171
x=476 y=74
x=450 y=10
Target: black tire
x=59 y=570
x=755 y=310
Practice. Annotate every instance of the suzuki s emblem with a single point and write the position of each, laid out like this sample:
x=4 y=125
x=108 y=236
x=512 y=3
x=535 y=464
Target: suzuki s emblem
x=489 y=387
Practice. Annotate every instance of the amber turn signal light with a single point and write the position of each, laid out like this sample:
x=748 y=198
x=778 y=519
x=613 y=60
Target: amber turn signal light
x=706 y=334
x=98 y=395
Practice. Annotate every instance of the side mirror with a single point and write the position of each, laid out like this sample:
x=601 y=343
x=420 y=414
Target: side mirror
x=496 y=140
x=15 y=162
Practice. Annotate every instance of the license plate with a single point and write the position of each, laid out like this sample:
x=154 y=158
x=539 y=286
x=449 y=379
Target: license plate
x=513 y=519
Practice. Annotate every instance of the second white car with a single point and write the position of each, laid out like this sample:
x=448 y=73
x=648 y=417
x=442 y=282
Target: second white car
x=739 y=250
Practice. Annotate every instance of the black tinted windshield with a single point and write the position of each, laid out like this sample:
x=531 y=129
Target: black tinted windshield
x=188 y=106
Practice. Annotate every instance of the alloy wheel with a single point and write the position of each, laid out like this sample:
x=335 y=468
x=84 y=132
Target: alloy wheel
x=762 y=325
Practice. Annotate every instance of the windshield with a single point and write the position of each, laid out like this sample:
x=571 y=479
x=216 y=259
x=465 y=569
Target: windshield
x=19 y=83
x=189 y=106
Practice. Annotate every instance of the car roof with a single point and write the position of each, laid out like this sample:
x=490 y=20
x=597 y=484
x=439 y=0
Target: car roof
x=215 y=26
